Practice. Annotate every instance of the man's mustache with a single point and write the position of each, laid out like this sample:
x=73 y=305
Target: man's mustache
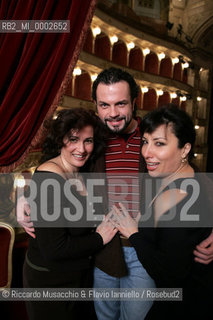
x=114 y=119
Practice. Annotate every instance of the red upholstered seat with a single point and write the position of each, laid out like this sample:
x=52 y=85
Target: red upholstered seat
x=7 y=236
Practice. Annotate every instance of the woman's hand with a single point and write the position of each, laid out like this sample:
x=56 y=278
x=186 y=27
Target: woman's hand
x=121 y=219
x=23 y=216
x=107 y=230
x=204 y=251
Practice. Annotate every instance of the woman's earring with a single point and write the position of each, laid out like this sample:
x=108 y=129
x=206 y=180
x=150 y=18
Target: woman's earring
x=183 y=160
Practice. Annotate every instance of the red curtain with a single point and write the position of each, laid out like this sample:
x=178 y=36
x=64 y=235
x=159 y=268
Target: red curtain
x=35 y=69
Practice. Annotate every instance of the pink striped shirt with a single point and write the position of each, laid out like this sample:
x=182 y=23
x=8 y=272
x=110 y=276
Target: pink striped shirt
x=122 y=168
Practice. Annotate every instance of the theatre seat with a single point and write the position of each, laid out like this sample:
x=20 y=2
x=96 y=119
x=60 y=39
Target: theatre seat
x=7 y=236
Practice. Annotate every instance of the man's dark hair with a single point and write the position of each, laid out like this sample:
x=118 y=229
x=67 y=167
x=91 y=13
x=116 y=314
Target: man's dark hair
x=114 y=75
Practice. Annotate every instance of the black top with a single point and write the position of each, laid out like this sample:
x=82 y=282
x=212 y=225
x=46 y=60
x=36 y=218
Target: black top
x=166 y=252
x=60 y=245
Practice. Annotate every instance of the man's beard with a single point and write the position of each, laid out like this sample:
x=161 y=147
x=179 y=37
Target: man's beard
x=116 y=129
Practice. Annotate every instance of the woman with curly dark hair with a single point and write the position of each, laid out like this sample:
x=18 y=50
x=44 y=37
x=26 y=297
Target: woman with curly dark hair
x=60 y=255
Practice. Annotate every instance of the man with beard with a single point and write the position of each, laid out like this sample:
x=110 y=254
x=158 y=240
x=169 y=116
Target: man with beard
x=117 y=266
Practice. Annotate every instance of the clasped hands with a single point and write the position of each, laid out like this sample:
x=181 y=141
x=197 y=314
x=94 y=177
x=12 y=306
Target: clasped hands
x=122 y=221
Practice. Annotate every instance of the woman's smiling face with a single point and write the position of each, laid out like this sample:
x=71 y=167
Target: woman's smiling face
x=161 y=152
x=78 y=147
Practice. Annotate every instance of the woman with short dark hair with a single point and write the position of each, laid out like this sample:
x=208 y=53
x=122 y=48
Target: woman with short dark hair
x=180 y=217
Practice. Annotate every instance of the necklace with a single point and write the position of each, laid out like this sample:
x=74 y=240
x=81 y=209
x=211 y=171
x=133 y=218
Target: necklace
x=74 y=175
x=167 y=180
x=68 y=174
